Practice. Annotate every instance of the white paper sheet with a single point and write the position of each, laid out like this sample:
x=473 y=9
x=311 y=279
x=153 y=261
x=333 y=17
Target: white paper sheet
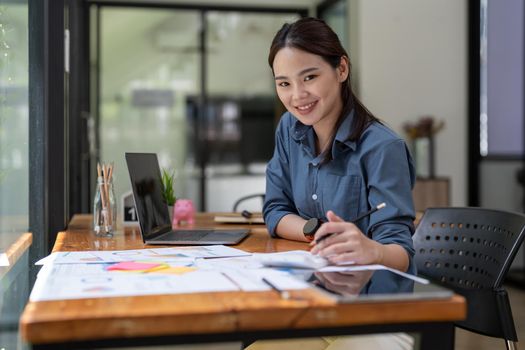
x=78 y=281
x=251 y=280
x=293 y=258
x=4 y=261
x=247 y=273
x=151 y=254
x=349 y=268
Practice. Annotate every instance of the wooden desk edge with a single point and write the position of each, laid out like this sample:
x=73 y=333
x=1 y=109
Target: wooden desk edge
x=438 y=310
x=33 y=325
x=16 y=250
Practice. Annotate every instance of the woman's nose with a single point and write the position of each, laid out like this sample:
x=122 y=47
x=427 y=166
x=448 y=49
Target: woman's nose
x=300 y=92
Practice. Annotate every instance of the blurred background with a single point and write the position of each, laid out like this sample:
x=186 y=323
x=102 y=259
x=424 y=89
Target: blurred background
x=190 y=82
x=83 y=81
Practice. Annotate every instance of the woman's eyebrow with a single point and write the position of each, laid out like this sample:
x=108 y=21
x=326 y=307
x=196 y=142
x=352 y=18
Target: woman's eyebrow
x=303 y=72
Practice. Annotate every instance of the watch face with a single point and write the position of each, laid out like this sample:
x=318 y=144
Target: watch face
x=311 y=226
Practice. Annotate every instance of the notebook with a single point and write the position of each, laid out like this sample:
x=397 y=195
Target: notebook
x=237 y=218
x=152 y=211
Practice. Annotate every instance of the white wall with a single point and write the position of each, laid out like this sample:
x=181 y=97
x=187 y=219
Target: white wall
x=500 y=190
x=409 y=60
x=223 y=192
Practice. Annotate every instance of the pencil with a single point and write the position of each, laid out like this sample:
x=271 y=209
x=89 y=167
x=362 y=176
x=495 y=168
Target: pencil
x=110 y=175
x=359 y=217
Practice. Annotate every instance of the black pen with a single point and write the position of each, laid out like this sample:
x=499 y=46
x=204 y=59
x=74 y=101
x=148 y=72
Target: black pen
x=360 y=217
x=283 y=293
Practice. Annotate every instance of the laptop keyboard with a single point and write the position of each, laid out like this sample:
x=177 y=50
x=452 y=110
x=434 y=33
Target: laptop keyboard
x=183 y=236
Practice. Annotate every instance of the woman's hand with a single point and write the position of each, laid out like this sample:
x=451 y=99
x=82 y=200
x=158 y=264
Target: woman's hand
x=346 y=243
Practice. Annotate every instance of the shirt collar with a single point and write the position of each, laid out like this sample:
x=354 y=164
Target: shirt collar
x=345 y=130
x=300 y=132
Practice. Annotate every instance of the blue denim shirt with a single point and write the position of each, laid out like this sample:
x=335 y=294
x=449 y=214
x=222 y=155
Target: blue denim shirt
x=377 y=168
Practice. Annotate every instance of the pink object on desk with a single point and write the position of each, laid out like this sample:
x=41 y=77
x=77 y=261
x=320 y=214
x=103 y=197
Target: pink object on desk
x=183 y=211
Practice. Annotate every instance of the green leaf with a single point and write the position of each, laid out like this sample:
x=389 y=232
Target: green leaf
x=168 y=193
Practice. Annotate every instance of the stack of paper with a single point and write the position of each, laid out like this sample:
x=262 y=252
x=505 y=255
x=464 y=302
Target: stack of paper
x=95 y=274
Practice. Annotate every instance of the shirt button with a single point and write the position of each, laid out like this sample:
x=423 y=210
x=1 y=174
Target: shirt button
x=314 y=197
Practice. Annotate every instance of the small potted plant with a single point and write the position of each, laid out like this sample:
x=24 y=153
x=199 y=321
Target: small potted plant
x=421 y=136
x=168 y=179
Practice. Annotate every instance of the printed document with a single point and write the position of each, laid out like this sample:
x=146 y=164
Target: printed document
x=151 y=254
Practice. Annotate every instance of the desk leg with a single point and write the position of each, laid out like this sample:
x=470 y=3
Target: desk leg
x=439 y=337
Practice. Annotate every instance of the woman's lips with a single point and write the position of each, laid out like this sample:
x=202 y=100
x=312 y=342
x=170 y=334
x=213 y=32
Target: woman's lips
x=306 y=108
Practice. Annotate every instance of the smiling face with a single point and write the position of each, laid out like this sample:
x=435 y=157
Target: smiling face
x=309 y=87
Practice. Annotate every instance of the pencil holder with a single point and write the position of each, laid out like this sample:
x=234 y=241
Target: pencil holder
x=104 y=208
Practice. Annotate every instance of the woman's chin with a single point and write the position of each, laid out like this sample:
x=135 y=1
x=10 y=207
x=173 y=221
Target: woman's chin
x=308 y=120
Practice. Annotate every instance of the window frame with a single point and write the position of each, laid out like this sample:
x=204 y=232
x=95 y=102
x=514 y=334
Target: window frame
x=47 y=122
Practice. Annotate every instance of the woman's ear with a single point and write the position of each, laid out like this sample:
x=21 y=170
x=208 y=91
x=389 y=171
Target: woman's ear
x=344 y=69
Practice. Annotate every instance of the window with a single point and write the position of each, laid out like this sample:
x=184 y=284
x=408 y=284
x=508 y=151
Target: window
x=335 y=14
x=501 y=79
x=14 y=116
x=192 y=86
x=14 y=163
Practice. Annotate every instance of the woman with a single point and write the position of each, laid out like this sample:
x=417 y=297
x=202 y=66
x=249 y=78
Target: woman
x=333 y=159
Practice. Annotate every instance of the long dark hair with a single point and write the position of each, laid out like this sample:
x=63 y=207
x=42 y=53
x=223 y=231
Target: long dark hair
x=316 y=37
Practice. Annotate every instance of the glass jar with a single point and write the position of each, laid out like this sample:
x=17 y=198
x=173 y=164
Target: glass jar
x=104 y=208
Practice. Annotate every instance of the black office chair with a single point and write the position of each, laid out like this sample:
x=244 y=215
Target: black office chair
x=245 y=198
x=470 y=251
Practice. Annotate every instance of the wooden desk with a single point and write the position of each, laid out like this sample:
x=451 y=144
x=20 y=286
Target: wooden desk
x=12 y=247
x=227 y=316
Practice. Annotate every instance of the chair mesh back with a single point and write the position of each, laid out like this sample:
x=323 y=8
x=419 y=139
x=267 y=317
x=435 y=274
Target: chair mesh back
x=469 y=248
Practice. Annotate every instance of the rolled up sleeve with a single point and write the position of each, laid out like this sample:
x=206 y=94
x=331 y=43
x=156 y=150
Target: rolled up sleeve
x=391 y=178
x=278 y=199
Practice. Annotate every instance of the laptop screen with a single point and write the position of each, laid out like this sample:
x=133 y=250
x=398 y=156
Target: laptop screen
x=146 y=182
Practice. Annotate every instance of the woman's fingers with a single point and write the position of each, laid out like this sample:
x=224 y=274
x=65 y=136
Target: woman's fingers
x=343 y=242
x=330 y=240
x=334 y=225
x=327 y=231
x=339 y=248
x=335 y=228
x=346 y=259
x=333 y=217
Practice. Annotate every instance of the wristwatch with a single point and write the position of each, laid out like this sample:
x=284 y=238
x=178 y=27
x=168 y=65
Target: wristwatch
x=310 y=228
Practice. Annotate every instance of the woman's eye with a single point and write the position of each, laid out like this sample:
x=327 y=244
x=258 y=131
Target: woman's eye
x=283 y=84
x=309 y=77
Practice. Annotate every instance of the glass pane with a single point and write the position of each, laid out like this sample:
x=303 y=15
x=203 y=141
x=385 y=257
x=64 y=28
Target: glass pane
x=502 y=108
x=14 y=116
x=14 y=160
x=149 y=64
x=242 y=104
x=336 y=17
x=483 y=133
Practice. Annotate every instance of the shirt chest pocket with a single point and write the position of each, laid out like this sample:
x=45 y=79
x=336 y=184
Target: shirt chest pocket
x=341 y=194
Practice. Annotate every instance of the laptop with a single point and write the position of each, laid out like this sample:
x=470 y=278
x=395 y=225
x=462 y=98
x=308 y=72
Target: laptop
x=152 y=210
